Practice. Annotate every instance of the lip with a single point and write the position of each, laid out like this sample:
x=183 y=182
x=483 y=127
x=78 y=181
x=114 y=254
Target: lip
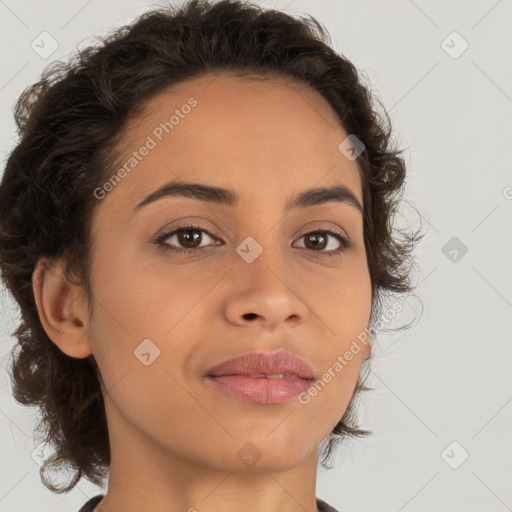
x=269 y=363
x=248 y=376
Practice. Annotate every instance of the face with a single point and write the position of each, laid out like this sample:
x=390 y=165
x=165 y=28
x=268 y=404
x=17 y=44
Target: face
x=249 y=276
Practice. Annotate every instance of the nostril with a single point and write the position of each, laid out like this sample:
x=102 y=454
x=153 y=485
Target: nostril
x=250 y=316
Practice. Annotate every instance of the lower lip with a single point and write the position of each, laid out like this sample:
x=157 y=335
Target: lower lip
x=262 y=390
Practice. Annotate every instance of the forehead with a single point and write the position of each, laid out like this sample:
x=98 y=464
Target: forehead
x=236 y=107
x=240 y=133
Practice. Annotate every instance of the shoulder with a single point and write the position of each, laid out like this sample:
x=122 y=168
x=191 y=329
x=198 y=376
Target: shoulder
x=89 y=506
x=322 y=506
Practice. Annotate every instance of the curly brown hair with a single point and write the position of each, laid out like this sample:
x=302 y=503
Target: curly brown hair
x=70 y=134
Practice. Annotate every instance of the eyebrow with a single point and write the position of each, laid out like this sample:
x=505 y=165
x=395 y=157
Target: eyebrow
x=223 y=196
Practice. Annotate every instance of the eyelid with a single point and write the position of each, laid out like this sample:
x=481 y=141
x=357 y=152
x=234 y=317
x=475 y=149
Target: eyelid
x=191 y=222
x=338 y=233
x=167 y=232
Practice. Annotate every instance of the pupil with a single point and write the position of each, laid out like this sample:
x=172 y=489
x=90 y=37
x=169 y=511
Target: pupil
x=190 y=236
x=185 y=237
x=315 y=237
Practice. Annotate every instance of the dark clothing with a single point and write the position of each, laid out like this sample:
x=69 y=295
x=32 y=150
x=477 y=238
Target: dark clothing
x=89 y=506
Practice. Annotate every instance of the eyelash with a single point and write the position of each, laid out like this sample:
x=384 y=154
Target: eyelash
x=345 y=243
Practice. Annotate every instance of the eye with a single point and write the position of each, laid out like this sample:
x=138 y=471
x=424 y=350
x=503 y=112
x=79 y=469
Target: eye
x=189 y=236
x=320 y=238
x=185 y=235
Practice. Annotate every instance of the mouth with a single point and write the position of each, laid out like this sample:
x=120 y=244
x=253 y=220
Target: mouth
x=264 y=378
x=263 y=389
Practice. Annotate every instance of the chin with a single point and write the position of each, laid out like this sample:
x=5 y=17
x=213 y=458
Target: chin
x=252 y=455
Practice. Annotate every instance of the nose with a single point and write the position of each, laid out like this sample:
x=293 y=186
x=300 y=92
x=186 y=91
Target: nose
x=266 y=298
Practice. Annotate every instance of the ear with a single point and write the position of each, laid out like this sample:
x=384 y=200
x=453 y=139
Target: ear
x=62 y=308
x=366 y=345
x=369 y=332
x=366 y=348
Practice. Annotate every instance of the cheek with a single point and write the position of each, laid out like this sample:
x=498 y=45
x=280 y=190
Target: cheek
x=136 y=300
x=143 y=309
x=343 y=302
x=344 y=310
x=165 y=304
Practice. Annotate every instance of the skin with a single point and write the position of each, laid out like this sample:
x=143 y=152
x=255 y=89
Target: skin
x=174 y=441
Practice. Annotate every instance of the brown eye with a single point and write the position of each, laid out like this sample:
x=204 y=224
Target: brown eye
x=188 y=238
x=318 y=241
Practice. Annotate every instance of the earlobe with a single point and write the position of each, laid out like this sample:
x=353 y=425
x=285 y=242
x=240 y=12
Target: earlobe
x=366 y=346
x=367 y=349
x=61 y=307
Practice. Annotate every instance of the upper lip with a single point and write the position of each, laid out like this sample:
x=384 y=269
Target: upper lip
x=268 y=363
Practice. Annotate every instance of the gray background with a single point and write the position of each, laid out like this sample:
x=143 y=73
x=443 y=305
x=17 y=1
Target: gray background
x=447 y=378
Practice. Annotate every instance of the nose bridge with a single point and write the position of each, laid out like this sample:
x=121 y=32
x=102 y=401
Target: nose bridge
x=263 y=246
x=264 y=268
x=262 y=249
x=265 y=287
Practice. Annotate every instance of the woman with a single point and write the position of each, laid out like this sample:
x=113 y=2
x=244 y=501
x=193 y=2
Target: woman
x=196 y=224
